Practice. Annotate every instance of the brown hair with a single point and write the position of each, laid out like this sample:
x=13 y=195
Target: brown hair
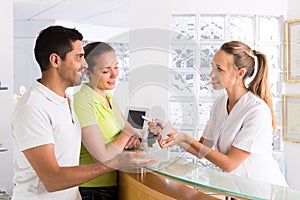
x=93 y=50
x=244 y=57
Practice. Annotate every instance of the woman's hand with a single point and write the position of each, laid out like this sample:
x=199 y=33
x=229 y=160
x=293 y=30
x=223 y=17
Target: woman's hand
x=133 y=143
x=174 y=138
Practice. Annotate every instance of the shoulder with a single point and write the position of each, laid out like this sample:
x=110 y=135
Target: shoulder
x=82 y=91
x=250 y=100
x=84 y=95
x=255 y=108
x=32 y=99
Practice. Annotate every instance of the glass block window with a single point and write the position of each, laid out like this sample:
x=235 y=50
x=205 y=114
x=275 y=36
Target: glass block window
x=183 y=27
x=207 y=51
x=270 y=28
x=181 y=114
x=121 y=50
x=182 y=84
x=242 y=28
x=194 y=40
x=183 y=56
x=212 y=27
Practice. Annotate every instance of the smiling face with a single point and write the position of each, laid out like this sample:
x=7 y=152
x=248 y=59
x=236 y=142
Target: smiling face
x=71 y=68
x=105 y=73
x=223 y=74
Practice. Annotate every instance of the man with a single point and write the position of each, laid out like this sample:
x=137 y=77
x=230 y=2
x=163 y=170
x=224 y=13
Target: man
x=46 y=135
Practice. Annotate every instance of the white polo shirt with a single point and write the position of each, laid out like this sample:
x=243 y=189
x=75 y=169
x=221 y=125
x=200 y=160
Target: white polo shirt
x=248 y=127
x=43 y=117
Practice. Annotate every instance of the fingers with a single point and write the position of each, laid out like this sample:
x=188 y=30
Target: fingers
x=160 y=123
x=143 y=162
x=173 y=138
x=133 y=143
x=129 y=144
x=160 y=140
x=165 y=142
x=154 y=128
x=137 y=143
x=168 y=142
x=130 y=161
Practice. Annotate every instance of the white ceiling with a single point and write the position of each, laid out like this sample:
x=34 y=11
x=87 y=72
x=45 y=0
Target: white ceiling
x=112 y=13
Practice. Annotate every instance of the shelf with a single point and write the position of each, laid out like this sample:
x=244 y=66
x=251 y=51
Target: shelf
x=3 y=88
x=3 y=149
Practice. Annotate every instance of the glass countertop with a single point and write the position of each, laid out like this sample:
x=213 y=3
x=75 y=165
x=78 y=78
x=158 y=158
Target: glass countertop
x=174 y=165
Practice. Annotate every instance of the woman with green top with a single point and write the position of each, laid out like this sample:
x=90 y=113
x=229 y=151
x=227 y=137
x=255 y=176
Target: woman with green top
x=105 y=132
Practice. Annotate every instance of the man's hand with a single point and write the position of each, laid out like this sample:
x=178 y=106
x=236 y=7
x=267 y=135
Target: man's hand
x=130 y=161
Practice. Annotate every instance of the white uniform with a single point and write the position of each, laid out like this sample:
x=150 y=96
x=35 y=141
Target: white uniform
x=247 y=127
x=43 y=117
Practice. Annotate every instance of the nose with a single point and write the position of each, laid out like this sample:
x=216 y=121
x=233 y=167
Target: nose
x=84 y=64
x=114 y=73
x=212 y=74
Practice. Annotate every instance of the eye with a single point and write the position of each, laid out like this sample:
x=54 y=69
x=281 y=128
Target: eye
x=219 y=69
x=105 y=71
x=78 y=57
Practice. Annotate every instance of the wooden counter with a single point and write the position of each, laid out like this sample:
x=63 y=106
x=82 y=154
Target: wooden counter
x=150 y=186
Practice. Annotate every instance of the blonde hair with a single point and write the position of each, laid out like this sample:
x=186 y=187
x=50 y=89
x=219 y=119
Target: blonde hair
x=244 y=57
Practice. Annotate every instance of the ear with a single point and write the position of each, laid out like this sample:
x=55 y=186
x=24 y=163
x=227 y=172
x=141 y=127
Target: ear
x=241 y=72
x=54 y=59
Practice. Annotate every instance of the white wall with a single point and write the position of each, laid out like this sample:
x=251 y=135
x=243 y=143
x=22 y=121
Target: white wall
x=291 y=150
x=149 y=40
x=6 y=97
x=26 y=68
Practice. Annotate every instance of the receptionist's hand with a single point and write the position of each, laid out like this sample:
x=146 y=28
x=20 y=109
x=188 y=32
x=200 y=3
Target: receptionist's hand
x=156 y=126
x=174 y=138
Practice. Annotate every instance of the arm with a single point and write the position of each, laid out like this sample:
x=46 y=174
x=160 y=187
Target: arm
x=93 y=141
x=55 y=177
x=136 y=137
x=227 y=162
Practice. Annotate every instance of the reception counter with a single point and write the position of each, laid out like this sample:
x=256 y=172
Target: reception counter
x=175 y=177
x=152 y=186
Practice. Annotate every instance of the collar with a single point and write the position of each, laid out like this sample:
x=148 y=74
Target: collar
x=93 y=95
x=52 y=96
